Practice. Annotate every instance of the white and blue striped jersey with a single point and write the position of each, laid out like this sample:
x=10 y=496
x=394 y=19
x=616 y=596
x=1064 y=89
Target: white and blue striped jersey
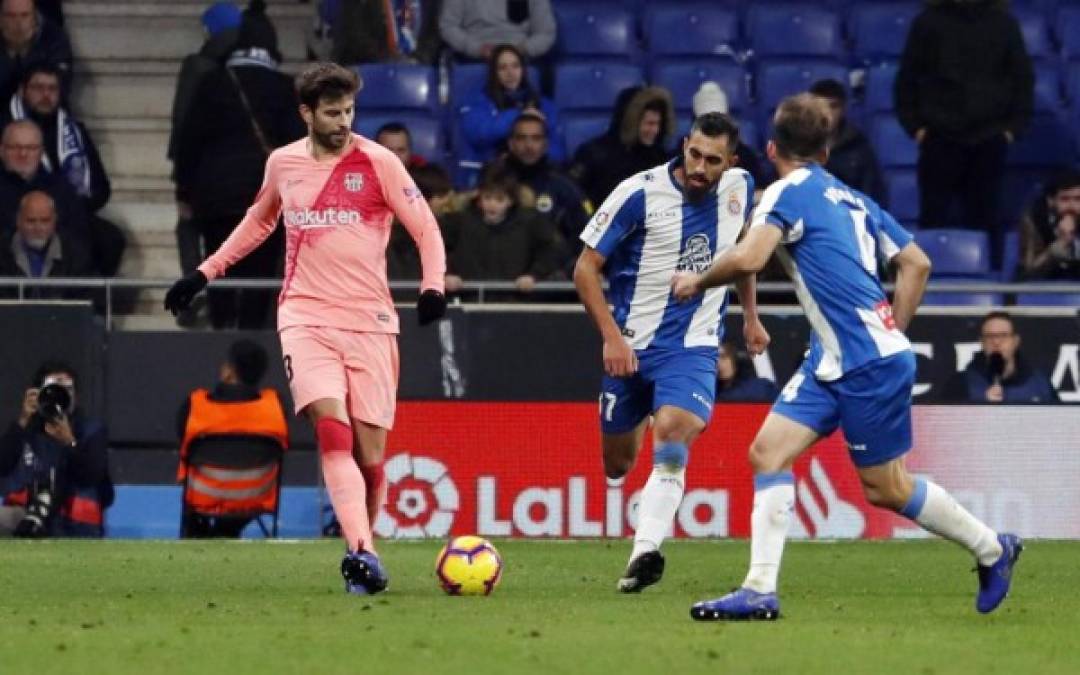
x=648 y=230
x=833 y=239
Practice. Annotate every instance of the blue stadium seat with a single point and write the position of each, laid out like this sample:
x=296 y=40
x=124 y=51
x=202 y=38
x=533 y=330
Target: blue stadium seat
x=879 y=30
x=1048 y=87
x=593 y=86
x=956 y=253
x=963 y=299
x=691 y=29
x=595 y=29
x=902 y=186
x=784 y=77
x=793 y=29
x=581 y=127
x=424 y=130
x=397 y=86
x=1068 y=32
x=682 y=78
x=878 y=95
x=1010 y=256
x=1051 y=299
x=1046 y=142
x=1035 y=30
x=892 y=144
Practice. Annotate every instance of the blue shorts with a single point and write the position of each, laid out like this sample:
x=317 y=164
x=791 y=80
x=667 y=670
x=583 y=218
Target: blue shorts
x=682 y=378
x=872 y=404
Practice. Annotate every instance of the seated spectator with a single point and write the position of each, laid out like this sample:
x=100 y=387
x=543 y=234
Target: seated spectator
x=380 y=31
x=35 y=250
x=498 y=238
x=851 y=157
x=636 y=140
x=395 y=137
x=54 y=460
x=711 y=98
x=234 y=407
x=21 y=152
x=736 y=379
x=474 y=28
x=554 y=194
x=25 y=40
x=1049 y=244
x=242 y=111
x=999 y=373
x=71 y=154
x=488 y=115
x=402 y=256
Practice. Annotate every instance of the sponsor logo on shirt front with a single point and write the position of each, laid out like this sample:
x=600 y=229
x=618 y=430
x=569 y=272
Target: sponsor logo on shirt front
x=696 y=256
x=307 y=219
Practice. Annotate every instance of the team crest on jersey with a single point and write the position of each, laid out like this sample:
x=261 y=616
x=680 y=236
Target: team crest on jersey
x=354 y=182
x=696 y=256
x=734 y=206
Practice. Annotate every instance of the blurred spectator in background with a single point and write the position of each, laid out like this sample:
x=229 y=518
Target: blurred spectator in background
x=851 y=157
x=641 y=124
x=736 y=379
x=52 y=10
x=21 y=151
x=711 y=98
x=371 y=31
x=27 y=39
x=498 y=237
x=395 y=137
x=240 y=113
x=54 y=462
x=35 y=250
x=474 y=28
x=235 y=407
x=999 y=373
x=70 y=153
x=488 y=115
x=554 y=195
x=402 y=256
x=964 y=91
x=221 y=22
x=1049 y=243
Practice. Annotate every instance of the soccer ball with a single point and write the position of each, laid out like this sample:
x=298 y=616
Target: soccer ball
x=468 y=565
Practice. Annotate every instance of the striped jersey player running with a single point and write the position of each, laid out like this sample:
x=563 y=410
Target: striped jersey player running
x=659 y=355
x=338 y=194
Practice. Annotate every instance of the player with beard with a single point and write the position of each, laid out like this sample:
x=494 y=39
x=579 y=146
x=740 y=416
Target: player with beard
x=339 y=193
x=659 y=355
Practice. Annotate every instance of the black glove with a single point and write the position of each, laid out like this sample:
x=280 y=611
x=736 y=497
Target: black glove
x=430 y=307
x=179 y=297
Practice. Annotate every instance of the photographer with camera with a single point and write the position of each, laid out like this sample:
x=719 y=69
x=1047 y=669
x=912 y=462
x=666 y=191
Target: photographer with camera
x=999 y=373
x=54 y=463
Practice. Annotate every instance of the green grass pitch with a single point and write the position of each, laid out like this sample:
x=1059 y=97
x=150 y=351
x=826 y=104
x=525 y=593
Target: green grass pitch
x=257 y=607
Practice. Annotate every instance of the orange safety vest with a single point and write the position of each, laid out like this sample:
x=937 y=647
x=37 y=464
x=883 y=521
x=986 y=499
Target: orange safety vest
x=221 y=490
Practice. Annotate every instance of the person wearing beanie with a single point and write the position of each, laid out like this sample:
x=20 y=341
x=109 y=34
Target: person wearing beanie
x=221 y=16
x=711 y=98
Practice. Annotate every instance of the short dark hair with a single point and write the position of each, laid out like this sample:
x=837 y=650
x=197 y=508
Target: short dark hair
x=51 y=367
x=528 y=117
x=801 y=127
x=1064 y=180
x=393 y=128
x=997 y=314
x=249 y=360
x=715 y=124
x=432 y=180
x=39 y=68
x=496 y=178
x=829 y=88
x=324 y=80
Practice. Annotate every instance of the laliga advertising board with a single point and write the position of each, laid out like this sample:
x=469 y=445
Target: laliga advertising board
x=533 y=470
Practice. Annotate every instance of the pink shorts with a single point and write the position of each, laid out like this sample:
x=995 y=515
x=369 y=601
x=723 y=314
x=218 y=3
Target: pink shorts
x=360 y=369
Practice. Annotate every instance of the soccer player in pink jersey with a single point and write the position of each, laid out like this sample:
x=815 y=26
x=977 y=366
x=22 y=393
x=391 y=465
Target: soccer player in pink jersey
x=338 y=193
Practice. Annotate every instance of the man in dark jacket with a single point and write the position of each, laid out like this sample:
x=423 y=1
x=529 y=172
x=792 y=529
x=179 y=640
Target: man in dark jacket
x=555 y=195
x=998 y=373
x=54 y=463
x=26 y=39
x=636 y=140
x=241 y=112
x=736 y=380
x=36 y=251
x=964 y=91
x=851 y=157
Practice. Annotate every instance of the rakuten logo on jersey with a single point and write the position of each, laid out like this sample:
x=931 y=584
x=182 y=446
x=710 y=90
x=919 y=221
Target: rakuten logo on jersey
x=308 y=219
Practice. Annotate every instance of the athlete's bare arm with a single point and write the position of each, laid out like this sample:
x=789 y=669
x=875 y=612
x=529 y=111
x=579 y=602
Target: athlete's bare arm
x=619 y=357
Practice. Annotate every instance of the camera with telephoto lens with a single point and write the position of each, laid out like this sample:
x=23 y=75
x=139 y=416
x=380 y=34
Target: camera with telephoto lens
x=54 y=402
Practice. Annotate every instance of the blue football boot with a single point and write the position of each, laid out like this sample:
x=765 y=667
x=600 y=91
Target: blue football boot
x=363 y=573
x=742 y=604
x=994 y=580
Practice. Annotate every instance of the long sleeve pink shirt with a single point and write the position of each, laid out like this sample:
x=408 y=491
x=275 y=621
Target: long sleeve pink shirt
x=337 y=218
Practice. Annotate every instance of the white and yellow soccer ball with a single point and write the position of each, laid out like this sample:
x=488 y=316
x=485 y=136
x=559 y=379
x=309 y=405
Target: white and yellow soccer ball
x=468 y=565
